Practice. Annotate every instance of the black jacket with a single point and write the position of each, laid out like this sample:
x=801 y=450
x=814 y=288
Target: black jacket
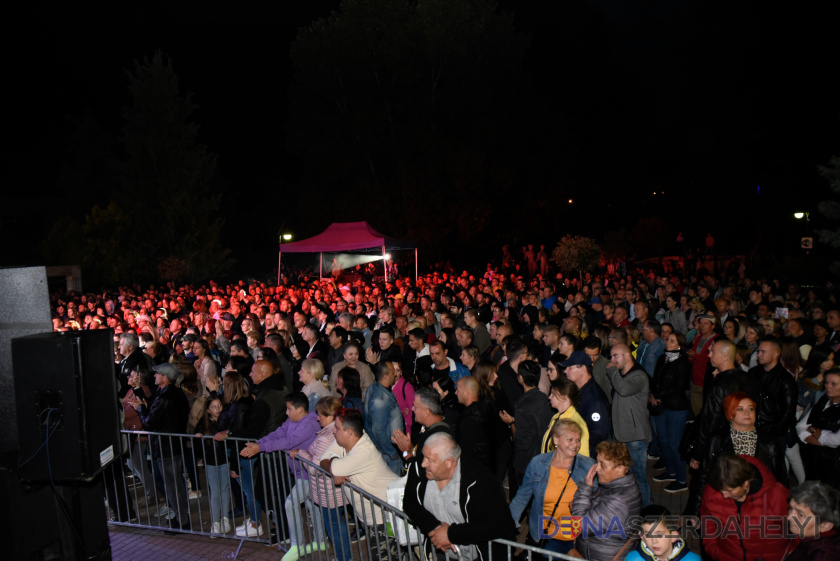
x=779 y=394
x=712 y=418
x=476 y=431
x=137 y=359
x=767 y=450
x=268 y=411
x=167 y=413
x=482 y=503
x=509 y=384
x=533 y=415
x=596 y=412
x=670 y=382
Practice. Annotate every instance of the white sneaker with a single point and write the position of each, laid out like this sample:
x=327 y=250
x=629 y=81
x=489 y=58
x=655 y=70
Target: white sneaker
x=226 y=527
x=194 y=495
x=215 y=530
x=249 y=531
x=162 y=512
x=243 y=525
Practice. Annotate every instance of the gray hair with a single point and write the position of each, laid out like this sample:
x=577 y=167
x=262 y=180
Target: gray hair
x=822 y=499
x=130 y=339
x=443 y=442
x=430 y=398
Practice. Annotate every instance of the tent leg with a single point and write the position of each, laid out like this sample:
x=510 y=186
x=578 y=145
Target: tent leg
x=279 y=261
x=415 y=268
x=385 y=263
x=321 y=267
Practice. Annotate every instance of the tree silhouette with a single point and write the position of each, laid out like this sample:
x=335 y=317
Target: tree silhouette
x=161 y=222
x=166 y=175
x=577 y=253
x=397 y=102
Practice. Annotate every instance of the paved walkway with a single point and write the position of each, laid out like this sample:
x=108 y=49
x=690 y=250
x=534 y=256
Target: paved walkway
x=136 y=544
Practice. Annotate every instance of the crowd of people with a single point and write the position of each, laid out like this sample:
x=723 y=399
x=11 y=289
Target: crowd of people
x=505 y=390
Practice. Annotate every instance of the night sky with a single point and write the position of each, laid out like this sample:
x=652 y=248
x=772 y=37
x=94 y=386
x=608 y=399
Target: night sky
x=726 y=109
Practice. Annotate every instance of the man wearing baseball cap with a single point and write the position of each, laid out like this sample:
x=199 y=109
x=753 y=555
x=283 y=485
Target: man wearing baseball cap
x=594 y=406
x=168 y=413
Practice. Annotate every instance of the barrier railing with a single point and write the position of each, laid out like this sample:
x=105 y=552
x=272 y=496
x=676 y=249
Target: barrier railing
x=189 y=484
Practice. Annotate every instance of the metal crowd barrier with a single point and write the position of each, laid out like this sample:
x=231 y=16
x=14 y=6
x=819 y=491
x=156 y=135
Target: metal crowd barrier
x=179 y=486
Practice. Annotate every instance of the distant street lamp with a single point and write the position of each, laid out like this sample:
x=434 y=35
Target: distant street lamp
x=281 y=238
x=807 y=241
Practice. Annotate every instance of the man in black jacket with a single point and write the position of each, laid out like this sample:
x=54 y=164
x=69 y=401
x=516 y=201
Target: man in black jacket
x=477 y=422
x=463 y=509
x=533 y=414
x=594 y=406
x=777 y=406
x=168 y=413
x=725 y=379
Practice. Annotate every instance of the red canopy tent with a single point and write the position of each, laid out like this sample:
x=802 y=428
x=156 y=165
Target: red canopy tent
x=347 y=237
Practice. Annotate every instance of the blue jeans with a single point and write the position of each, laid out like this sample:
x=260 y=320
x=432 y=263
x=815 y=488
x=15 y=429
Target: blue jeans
x=638 y=453
x=669 y=431
x=246 y=474
x=218 y=481
x=654 y=449
x=175 y=490
x=335 y=522
x=300 y=494
x=559 y=546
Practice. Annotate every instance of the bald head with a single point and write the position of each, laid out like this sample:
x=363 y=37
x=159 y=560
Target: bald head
x=467 y=390
x=722 y=355
x=261 y=370
x=621 y=358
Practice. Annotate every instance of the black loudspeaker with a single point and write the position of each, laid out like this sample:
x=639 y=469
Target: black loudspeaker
x=24 y=310
x=65 y=387
x=36 y=527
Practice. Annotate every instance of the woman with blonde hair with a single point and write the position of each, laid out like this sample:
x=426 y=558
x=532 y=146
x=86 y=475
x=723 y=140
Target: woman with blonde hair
x=551 y=484
x=312 y=377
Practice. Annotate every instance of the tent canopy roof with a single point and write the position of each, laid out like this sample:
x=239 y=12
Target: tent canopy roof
x=346 y=236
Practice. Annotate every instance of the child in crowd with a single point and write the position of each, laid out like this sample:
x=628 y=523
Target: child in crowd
x=217 y=468
x=660 y=538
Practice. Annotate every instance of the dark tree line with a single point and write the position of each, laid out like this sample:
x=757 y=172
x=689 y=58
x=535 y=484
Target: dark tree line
x=157 y=218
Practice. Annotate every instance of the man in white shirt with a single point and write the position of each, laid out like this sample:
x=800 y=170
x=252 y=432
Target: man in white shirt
x=353 y=458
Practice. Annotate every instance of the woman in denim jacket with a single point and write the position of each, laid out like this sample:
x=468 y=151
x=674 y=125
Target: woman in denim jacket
x=552 y=479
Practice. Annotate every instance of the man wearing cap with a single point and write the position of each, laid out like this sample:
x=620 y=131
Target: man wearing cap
x=168 y=413
x=596 y=305
x=698 y=354
x=224 y=331
x=594 y=406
